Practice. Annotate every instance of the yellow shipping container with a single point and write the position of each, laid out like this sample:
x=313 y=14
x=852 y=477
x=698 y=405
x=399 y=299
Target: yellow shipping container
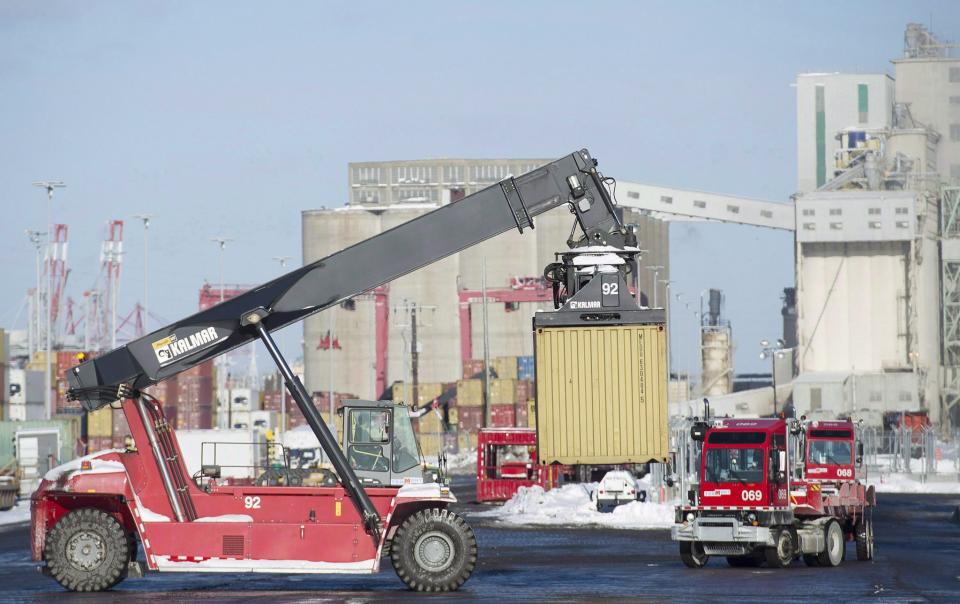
x=467 y=440
x=426 y=392
x=430 y=422
x=430 y=445
x=506 y=367
x=602 y=394
x=503 y=391
x=470 y=393
x=452 y=416
x=100 y=422
x=532 y=413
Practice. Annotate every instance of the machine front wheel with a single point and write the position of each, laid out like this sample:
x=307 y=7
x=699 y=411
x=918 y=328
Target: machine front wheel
x=87 y=550
x=693 y=555
x=434 y=550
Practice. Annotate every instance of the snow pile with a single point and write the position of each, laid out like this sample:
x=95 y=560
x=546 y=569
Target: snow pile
x=570 y=505
x=226 y=518
x=20 y=513
x=462 y=463
x=97 y=466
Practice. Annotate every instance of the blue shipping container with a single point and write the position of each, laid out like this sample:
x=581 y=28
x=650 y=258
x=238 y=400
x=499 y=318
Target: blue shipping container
x=525 y=368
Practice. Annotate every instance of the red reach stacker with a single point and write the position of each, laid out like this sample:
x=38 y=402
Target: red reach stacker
x=771 y=490
x=89 y=515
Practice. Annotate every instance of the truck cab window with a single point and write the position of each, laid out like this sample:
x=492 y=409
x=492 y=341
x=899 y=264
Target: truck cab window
x=743 y=465
x=830 y=452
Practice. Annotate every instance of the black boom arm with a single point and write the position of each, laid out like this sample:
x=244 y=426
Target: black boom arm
x=512 y=203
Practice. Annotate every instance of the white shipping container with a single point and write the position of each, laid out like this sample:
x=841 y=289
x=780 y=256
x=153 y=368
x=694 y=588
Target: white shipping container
x=26 y=386
x=239 y=453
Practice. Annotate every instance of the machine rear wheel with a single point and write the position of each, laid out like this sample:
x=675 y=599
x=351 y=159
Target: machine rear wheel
x=834 y=545
x=781 y=554
x=87 y=550
x=863 y=532
x=693 y=555
x=434 y=550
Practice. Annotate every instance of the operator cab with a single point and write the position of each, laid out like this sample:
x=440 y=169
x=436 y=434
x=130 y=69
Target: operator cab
x=830 y=450
x=379 y=442
x=743 y=462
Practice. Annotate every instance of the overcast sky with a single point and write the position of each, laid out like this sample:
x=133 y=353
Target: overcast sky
x=230 y=118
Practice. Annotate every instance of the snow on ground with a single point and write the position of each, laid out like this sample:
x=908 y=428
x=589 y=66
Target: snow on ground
x=945 y=480
x=911 y=483
x=19 y=513
x=570 y=505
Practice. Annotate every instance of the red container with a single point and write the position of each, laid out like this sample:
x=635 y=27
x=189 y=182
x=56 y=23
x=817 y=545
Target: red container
x=171 y=413
x=472 y=367
x=524 y=391
x=522 y=415
x=120 y=427
x=167 y=391
x=99 y=443
x=470 y=419
x=195 y=418
x=502 y=416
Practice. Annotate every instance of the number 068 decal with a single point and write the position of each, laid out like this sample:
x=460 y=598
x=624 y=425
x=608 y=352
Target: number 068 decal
x=751 y=495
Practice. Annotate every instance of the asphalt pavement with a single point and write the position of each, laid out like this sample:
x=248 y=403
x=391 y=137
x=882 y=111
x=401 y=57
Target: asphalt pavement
x=917 y=559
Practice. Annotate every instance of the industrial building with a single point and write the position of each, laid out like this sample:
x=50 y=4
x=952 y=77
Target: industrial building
x=340 y=345
x=876 y=249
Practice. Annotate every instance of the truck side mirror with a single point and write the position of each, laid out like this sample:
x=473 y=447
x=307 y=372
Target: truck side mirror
x=859 y=454
x=782 y=461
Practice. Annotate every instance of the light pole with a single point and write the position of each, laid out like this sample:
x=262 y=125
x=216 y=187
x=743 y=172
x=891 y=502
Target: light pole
x=36 y=238
x=49 y=186
x=222 y=243
x=656 y=272
x=146 y=304
x=666 y=320
x=774 y=351
x=283 y=397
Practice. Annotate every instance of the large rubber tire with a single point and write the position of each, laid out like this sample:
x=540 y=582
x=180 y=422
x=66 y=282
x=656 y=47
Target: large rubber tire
x=835 y=545
x=693 y=555
x=87 y=550
x=863 y=533
x=782 y=553
x=434 y=550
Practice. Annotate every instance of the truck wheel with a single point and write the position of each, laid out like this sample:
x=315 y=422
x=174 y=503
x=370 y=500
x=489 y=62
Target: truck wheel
x=781 y=554
x=434 y=550
x=87 y=550
x=864 y=536
x=834 y=545
x=693 y=555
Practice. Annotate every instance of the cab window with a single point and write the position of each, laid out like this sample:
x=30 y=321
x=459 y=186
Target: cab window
x=743 y=465
x=406 y=453
x=369 y=426
x=830 y=452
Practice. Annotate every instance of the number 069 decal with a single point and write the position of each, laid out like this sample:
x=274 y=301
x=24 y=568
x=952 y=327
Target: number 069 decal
x=751 y=495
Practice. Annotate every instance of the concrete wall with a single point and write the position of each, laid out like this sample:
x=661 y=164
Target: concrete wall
x=841 y=110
